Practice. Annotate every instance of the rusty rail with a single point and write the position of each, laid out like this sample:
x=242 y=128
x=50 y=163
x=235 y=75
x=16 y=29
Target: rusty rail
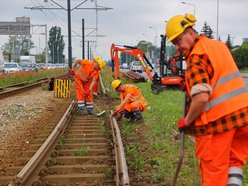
x=121 y=167
x=38 y=158
x=134 y=77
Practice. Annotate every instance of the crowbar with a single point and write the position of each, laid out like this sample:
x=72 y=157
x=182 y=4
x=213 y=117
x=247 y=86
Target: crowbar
x=181 y=155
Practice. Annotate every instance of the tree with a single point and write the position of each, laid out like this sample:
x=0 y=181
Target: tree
x=207 y=31
x=240 y=56
x=229 y=42
x=56 y=45
x=21 y=43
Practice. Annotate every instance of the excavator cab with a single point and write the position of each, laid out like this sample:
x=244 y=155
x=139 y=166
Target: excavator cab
x=171 y=71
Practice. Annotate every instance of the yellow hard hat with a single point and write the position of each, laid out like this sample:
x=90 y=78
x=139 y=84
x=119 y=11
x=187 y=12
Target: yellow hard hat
x=177 y=24
x=101 y=63
x=96 y=58
x=115 y=83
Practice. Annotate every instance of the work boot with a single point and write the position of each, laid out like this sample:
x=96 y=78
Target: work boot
x=90 y=111
x=81 y=106
x=138 y=118
x=90 y=108
x=128 y=115
x=81 y=112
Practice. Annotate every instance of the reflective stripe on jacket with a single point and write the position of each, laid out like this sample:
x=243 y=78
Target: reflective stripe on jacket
x=136 y=95
x=229 y=90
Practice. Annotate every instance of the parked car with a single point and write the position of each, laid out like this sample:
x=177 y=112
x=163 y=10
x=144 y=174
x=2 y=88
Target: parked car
x=135 y=66
x=124 y=66
x=26 y=66
x=11 y=67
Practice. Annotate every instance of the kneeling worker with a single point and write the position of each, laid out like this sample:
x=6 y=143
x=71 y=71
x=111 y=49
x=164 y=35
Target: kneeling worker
x=132 y=101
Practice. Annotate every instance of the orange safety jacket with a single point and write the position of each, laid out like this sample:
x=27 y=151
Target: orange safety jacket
x=229 y=91
x=136 y=95
x=87 y=71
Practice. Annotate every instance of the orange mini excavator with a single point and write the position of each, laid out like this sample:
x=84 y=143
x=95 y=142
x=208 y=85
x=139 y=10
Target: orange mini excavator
x=171 y=71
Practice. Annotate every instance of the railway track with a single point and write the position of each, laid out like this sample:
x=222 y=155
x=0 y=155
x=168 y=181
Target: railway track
x=72 y=150
x=133 y=77
x=22 y=87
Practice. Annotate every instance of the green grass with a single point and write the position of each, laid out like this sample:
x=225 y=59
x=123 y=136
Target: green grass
x=151 y=144
x=83 y=151
x=245 y=70
x=21 y=77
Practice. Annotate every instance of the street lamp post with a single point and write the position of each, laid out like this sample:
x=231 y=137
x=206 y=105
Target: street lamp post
x=156 y=36
x=217 y=32
x=190 y=5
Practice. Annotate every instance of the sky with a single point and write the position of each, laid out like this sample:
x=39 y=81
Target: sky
x=128 y=22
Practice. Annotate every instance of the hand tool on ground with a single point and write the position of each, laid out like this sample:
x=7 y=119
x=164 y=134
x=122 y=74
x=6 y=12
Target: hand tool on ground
x=179 y=164
x=101 y=112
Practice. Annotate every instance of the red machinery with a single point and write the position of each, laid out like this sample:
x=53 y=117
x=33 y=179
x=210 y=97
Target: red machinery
x=134 y=51
x=171 y=73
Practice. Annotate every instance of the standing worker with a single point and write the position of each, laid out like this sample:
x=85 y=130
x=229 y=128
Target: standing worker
x=132 y=101
x=85 y=80
x=217 y=108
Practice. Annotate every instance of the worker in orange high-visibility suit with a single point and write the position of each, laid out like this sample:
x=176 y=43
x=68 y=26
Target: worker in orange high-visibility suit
x=85 y=80
x=217 y=107
x=132 y=101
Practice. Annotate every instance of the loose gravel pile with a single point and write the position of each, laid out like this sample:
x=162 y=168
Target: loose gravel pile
x=22 y=118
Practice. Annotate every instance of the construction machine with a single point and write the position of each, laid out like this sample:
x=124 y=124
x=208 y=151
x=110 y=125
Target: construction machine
x=170 y=73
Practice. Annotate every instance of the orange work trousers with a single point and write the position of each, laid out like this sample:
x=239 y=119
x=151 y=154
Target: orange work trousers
x=81 y=88
x=219 y=152
x=96 y=88
x=130 y=107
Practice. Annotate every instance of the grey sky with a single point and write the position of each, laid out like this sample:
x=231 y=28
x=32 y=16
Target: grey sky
x=129 y=20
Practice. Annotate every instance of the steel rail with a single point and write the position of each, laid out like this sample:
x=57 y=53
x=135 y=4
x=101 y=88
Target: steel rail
x=120 y=158
x=38 y=159
x=20 y=89
x=8 y=93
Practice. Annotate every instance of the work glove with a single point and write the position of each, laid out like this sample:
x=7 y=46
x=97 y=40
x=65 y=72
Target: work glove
x=182 y=126
x=115 y=112
x=183 y=85
x=72 y=72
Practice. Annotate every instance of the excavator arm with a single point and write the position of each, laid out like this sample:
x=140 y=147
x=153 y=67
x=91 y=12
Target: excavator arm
x=134 y=51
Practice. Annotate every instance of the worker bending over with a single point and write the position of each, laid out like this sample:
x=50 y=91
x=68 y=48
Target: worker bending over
x=85 y=79
x=132 y=101
x=217 y=105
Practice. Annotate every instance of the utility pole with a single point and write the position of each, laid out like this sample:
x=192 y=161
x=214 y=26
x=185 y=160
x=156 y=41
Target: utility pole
x=217 y=32
x=68 y=9
x=69 y=33
x=45 y=33
x=88 y=43
x=83 y=56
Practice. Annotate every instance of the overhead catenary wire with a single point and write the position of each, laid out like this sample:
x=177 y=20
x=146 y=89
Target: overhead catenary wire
x=48 y=8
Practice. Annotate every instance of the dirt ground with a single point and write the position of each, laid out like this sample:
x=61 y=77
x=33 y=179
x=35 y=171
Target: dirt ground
x=22 y=117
